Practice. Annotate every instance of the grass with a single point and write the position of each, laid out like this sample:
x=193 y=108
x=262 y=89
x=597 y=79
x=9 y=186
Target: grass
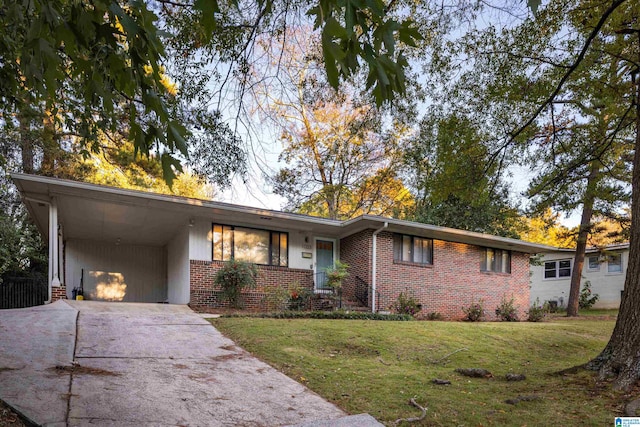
x=376 y=367
x=595 y=312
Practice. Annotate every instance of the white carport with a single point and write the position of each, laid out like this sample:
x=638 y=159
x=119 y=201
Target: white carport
x=131 y=246
x=137 y=246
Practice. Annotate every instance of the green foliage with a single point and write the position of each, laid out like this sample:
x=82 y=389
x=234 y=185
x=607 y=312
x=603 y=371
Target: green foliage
x=336 y=274
x=335 y=314
x=276 y=298
x=299 y=297
x=537 y=312
x=406 y=304
x=587 y=299
x=22 y=251
x=474 y=312
x=362 y=30
x=341 y=158
x=109 y=53
x=458 y=185
x=547 y=229
x=98 y=56
x=434 y=315
x=117 y=165
x=506 y=310
x=292 y=297
x=233 y=277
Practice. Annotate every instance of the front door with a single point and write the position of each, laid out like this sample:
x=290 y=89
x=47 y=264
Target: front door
x=324 y=260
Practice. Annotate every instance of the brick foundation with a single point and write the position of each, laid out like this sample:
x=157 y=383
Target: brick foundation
x=203 y=293
x=58 y=292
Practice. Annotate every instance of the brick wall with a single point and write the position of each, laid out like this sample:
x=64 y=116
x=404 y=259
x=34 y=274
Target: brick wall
x=355 y=250
x=453 y=281
x=205 y=294
x=58 y=292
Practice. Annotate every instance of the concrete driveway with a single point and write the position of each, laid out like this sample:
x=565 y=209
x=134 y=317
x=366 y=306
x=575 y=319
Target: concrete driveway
x=93 y=363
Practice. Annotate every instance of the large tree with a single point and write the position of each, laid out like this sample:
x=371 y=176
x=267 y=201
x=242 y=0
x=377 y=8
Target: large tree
x=515 y=76
x=583 y=151
x=89 y=65
x=454 y=183
x=607 y=33
x=340 y=159
x=73 y=72
x=338 y=166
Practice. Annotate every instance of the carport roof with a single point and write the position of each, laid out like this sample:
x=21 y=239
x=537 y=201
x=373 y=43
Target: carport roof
x=97 y=212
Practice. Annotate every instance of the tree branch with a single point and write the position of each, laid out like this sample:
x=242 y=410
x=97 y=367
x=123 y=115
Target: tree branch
x=603 y=19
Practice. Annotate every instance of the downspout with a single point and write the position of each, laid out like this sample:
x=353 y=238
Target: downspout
x=53 y=278
x=373 y=266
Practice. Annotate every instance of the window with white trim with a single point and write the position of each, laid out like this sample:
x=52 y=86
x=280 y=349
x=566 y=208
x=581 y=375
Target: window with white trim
x=593 y=262
x=250 y=245
x=495 y=260
x=558 y=269
x=614 y=263
x=418 y=250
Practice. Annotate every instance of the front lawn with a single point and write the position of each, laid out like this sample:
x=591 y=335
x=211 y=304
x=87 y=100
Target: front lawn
x=376 y=367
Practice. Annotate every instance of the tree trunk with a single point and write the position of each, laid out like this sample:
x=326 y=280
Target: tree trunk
x=26 y=144
x=583 y=235
x=621 y=357
x=50 y=147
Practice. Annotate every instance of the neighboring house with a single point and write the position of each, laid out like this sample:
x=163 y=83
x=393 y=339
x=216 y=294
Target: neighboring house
x=146 y=247
x=605 y=268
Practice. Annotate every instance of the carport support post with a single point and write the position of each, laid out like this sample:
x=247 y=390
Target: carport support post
x=54 y=279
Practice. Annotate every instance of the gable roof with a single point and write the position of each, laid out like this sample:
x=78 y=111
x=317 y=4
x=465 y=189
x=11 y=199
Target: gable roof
x=90 y=211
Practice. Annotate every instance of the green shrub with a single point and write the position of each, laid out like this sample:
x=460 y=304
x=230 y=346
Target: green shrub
x=434 y=315
x=336 y=314
x=537 y=312
x=506 y=311
x=276 y=299
x=233 y=277
x=475 y=312
x=406 y=304
x=291 y=297
x=336 y=274
x=587 y=299
x=299 y=297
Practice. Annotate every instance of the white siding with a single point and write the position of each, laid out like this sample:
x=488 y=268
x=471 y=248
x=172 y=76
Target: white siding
x=200 y=238
x=297 y=246
x=178 y=268
x=606 y=285
x=116 y=272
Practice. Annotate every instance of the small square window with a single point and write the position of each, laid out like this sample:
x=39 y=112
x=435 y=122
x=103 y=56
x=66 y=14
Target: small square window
x=417 y=250
x=559 y=269
x=593 y=263
x=614 y=263
x=495 y=260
